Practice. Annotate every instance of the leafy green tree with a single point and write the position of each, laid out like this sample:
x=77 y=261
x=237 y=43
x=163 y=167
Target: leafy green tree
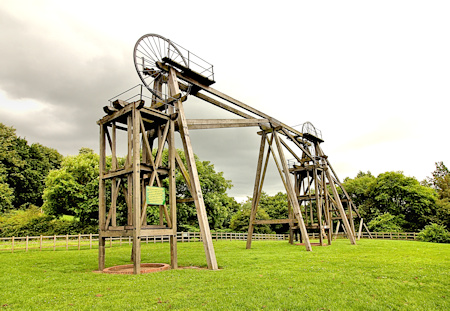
x=32 y=222
x=219 y=206
x=412 y=204
x=385 y=223
x=73 y=189
x=23 y=169
x=434 y=233
x=359 y=191
x=6 y=193
x=441 y=183
x=9 y=160
x=277 y=208
x=240 y=220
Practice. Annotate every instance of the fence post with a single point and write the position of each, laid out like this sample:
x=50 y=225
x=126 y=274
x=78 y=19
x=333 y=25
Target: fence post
x=90 y=240
x=54 y=242
x=26 y=244
x=12 y=245
x=67 y=242
x=40 y=242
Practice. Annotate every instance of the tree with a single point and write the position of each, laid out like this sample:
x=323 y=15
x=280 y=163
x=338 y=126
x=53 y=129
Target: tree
x=73 y=189
x=23 y=169
x=9 y=158
x=358 y=190
x=434 y=233
x=412 y=204
x=240 y=220
x=277 y=208
x=219 y=206
x=384 y=223
x=440 y=181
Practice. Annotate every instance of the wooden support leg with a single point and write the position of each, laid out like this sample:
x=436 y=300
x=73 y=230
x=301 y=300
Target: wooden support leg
x=337 y=230
x=101 y=253
x=256 y=193
x=102 y=200
x=291 y=224
x=172 y=197
x=193 y=174
x=291 y=194
x=360 y=228
x=318 y=205
x=136 y=190
x=340 y=208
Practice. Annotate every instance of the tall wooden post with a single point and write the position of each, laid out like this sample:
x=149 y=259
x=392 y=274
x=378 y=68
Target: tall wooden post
x=291 y=194
x=172 y=196
x=340 y=208
x=256 y=191
x=102 y=201
x=136 y=186
x=193 y=174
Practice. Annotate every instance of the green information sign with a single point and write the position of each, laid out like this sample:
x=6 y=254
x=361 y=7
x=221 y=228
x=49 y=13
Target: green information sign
x=156 y=195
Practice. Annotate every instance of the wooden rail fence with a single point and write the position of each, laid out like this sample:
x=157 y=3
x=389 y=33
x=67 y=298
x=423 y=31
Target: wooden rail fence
x=90 y=241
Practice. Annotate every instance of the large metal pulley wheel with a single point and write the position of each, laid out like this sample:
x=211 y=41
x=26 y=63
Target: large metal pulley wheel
x=149 y=50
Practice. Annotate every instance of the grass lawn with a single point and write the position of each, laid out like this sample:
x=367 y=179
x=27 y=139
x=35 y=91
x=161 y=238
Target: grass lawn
x=273 y=275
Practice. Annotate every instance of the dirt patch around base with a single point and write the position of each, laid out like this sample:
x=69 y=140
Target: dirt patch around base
x=145 y=268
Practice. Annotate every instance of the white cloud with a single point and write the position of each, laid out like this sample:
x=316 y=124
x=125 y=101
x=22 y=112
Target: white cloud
x=373 y=76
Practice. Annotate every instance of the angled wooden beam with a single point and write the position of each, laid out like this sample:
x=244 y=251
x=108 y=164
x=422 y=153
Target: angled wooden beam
x=291 y=151
x=289 y=135
x=275 y=159
x=193 y=174
x=216 y=103
x=183 y=170
x=227 y=98
x=256 y=192
x=340 y=208
x=291 y=194
x=112 y=209
x=158 y=159
x=148 y=151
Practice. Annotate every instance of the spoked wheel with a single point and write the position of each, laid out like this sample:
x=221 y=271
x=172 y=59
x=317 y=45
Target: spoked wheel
x=308 y=128
x=149 y=49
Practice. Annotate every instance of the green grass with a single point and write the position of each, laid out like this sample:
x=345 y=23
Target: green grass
x=273 y=275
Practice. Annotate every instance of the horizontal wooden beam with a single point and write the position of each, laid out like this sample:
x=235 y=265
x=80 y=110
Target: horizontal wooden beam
x=274 y=221
x=145 y=169
x=119 y=232
x=196 y=124
x=187 y=200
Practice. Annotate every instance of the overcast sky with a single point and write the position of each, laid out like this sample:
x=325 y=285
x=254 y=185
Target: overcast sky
x=373 y=76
